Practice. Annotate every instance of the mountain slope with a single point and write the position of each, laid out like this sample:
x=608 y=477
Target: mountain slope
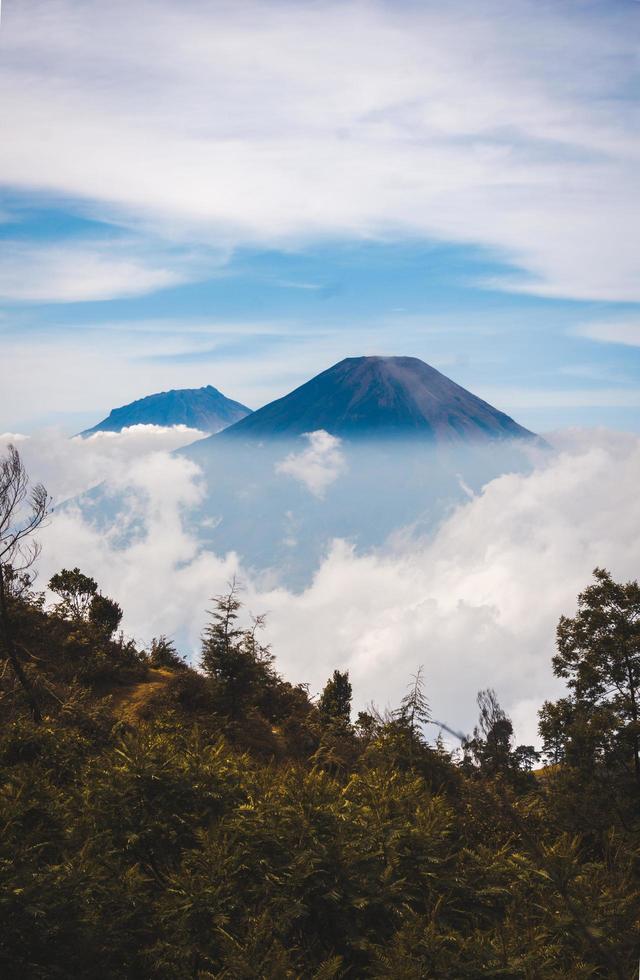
x=390 y=397
x=205 y=408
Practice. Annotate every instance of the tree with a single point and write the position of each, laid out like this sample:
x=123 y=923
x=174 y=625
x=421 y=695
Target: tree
x=222 y=634
x=414 y=708
x=599 y=656
x=526 y=757
x=231 y=656
x=81 y=602
x=335 y=700
x=18 y=585
x=22 y=512
x=163 y=653
x=413 y=714
x=493 y=735
x=76 y=592
x=492 y=745
x=105 y=614
x=576 y=733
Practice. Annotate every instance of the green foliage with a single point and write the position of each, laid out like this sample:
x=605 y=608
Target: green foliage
x=81 y=602
x=335 y=700
x=163 y=653
x=76 y=591
x=105 y=614
x=599 y=657
x=414 y=711
x=492 y=750
x=230 y=828
x=232 y=657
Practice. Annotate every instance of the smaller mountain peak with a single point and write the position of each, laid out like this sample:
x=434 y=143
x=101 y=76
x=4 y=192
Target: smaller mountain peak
x=203 y=408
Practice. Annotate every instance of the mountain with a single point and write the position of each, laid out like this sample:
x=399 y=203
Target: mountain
x=414 y=446
x=390 y=397
x=205 y=408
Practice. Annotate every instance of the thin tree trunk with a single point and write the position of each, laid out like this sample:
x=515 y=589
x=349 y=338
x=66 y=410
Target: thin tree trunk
x=10 y=647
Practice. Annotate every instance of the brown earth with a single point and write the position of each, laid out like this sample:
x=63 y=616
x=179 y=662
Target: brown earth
x=128 y=702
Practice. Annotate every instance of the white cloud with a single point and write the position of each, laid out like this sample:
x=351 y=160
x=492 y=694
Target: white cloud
x=612 y=332
x=65 y=273
x=507 y=125
x=477 y=604
x=317 y=466
x=521 y=398
x=69 y=467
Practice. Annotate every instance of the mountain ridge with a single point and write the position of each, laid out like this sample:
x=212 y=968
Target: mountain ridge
x=203 y=408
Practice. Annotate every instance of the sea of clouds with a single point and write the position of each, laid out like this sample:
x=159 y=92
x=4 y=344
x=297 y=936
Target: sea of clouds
x=475 y=601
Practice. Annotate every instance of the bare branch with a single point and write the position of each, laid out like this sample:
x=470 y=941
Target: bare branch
x=22 y=512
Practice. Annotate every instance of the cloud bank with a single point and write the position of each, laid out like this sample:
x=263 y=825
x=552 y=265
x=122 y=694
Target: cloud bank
x=69 y=467
x=508 y=125
x=476 y=603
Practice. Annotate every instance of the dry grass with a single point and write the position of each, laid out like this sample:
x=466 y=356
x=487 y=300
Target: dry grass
x=129 y=702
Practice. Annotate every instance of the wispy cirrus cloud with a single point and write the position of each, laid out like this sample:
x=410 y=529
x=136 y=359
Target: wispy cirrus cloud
x=62 y=272
x=511 y=126
x=593 y=397
x=94 y=369
x=625 y=332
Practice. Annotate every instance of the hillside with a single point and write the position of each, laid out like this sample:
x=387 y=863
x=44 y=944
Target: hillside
x=163 y=822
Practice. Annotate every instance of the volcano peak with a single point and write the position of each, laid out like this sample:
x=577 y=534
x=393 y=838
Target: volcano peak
x=378 y=396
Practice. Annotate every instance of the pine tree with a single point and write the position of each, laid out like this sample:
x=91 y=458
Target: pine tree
x=335 y=700
x=414 y=713
x=221 y=635
x=230 y=654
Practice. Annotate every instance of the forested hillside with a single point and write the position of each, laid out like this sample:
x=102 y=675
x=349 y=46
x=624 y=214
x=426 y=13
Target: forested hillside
x=160 y=820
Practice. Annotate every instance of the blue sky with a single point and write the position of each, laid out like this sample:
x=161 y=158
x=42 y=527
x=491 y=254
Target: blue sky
x=242 y=194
